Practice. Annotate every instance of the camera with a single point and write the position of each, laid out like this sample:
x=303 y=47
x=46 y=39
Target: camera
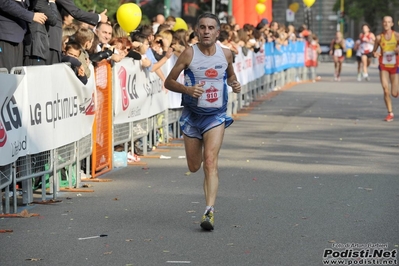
x=97 y=57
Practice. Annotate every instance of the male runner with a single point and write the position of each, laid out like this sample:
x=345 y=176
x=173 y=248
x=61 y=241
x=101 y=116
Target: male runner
x=207 y=66
x=387 y=41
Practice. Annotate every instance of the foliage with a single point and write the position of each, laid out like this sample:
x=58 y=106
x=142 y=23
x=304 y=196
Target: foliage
x=98 y=6
x=112 y=6
x=371 y=11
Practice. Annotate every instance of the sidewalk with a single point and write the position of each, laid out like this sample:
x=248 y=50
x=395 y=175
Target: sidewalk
x=306 y=170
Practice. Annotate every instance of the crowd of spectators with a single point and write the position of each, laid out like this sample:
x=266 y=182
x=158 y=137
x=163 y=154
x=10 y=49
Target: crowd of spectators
x=48 y=31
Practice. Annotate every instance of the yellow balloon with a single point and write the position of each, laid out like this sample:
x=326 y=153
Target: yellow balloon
x=261 y=1
x=180 y=24
x=294 y=7
x=349 y=53
x=309 y=3
x=260 y=8
x=129 y=16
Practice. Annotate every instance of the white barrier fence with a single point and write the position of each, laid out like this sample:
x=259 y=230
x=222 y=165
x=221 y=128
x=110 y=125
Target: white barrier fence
x=47 y=116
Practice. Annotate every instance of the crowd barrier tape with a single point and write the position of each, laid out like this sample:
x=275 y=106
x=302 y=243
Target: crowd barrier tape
x=51 y=121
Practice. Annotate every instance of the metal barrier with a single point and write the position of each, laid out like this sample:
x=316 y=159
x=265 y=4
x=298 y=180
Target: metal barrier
x=33 y=171
x=6 y=179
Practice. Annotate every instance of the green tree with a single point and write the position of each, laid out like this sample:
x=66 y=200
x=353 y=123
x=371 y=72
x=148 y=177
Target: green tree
x=371 y=11
x=99 y=5
x=112 y=6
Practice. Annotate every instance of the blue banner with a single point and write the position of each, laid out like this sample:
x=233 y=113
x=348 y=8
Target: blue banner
x=284 y=57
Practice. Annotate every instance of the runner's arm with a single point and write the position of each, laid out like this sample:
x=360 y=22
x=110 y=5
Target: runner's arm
x=182 y=63
x=397 y=42
x=332 y=46
x=376 y=45
x=231 y=75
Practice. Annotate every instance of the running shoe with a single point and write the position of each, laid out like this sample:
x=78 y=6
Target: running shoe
x=389 y=117
x=359 y=77
x=207 y=221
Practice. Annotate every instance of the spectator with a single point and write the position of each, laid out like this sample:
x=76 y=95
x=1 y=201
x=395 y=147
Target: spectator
x=67 y=19
x=117 y=31
x=182 y=36
x=37 y=44
x=14 y=17
x=121 y=45
x=156 y=47
x=193 y=38
x=104 y=33
x=167 y=36
x=67 y=34
x=170 y=21
x=291 y=32
x=178 y=44
x=158 y=20
x=232 y=37
x=55 y=32
x=72 y=53
x=85 y=39
x=142 y=49
x=274 y=26
x=163 y=27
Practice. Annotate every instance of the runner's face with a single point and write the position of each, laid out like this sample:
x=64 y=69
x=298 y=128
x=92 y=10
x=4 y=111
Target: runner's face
x=387 y=23
x=366 y=29
x=207 y=31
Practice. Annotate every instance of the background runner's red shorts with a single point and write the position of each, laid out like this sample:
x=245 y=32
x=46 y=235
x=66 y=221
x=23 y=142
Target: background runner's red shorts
x=390 y=70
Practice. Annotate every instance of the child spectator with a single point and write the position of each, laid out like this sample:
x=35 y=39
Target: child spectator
x=85 y=38
x=67 y=33
x=142 y=49
x=71 y=55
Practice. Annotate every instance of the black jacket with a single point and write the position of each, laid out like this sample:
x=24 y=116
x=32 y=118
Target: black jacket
x=55 y=33
x=13 y=20
x=37 y=42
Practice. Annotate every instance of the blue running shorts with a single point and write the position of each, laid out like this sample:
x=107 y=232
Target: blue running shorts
x=195 y=125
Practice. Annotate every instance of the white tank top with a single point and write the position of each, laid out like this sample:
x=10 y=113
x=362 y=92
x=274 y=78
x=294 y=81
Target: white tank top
x=210 y=71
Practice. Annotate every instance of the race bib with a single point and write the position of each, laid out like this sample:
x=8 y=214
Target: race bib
x=213 y=94
x=338 y=52
x=389 y=58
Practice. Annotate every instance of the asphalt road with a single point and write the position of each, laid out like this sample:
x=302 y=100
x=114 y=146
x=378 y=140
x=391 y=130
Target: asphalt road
x=305 y=172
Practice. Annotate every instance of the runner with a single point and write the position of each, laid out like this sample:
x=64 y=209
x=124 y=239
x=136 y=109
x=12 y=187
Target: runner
x=337 y=48
x=367 y=39
x=359 y=53
x=208 y=68
x=387 y=41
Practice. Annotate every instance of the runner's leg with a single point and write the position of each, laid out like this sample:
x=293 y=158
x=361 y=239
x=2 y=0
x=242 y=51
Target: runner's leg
x=193 y=147
x=365 y=65
x=213 y=139
x=394 y=85
x=384 y=77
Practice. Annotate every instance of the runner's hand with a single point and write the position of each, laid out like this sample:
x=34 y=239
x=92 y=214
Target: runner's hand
x=236 y=86
x=376 y=54
x=195 y=91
